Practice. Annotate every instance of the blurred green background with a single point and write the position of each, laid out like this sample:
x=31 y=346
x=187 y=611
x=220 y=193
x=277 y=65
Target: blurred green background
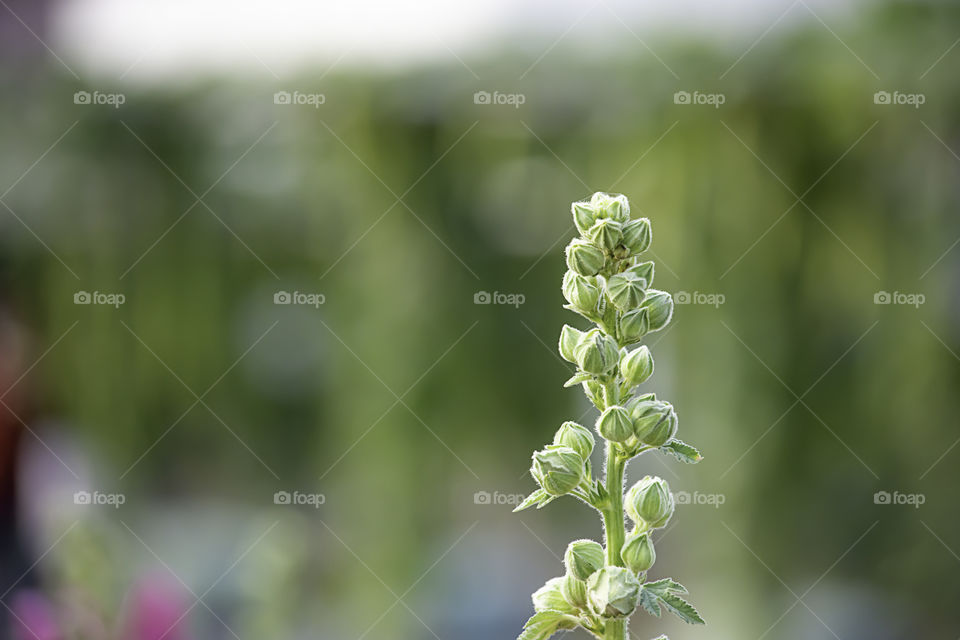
x=407 y=406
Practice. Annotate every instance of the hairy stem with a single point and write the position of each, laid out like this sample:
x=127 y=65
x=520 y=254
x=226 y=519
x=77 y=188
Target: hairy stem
x=614 y=528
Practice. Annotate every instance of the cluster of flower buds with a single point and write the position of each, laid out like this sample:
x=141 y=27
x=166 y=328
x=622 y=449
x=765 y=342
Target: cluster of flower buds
x=649 y=504
x=608 y=283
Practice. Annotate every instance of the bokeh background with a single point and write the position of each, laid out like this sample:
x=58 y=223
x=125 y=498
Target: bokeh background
x=809 y=224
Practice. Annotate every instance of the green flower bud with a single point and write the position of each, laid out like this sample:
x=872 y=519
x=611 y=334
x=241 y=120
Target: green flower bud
x=584 y=216
x=654 y=422
x=626 y=290
x=638 y=552
x=649 y=503
x=615 y=424
x=581 y=292
x=613 y=592
x=550 y=596
x=634 y=325
x=605 y=233
x=584 y=258
x=577 y=437
x=637 y=235
x=596 y=353
x=660 y=305
x=569 y=338
x=558 y=469
x=606 y=205
x=643 y=270
x=636 y=366
x=582 y=558
x=575 y=591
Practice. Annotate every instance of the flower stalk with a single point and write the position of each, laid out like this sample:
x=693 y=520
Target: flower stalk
x=609 y=284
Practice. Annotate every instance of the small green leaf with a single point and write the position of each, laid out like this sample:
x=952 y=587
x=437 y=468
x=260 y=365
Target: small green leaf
x=650 y=602
x=544 y=624
x=681 y=608
x=682 y=451
x=547 y=499
x=665 y=585
x=582 y=376
x=532 y=499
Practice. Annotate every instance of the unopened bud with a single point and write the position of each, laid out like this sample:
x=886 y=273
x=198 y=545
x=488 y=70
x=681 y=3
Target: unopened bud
x=605 y=233
x=660 y=305
x=584 y=258
x=577 y=437
x=550 y=597
x=583 y=557
x=637 y=235
x=558 y=469
x=575 y=591
x=634 y=325
x=636 y=366
x=569 y=339
x=584 y=216
x=626 y=290
x=613 y=592
x=638 y=552
x=615 y=424
x=581 y=292
x=649 y=502
x=596 y=353
x=609 y=205
x=654 y=422
x=643 y=270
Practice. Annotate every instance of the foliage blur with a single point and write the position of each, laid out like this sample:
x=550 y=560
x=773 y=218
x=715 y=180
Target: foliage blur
x=399 y=398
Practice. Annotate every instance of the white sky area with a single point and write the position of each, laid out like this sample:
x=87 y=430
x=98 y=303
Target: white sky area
x=182 y=39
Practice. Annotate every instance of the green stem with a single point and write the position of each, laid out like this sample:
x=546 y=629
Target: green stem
x=614 y=529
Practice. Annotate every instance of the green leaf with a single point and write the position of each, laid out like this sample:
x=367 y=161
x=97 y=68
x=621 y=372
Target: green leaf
x=681 y=608
x=544 y=624
x=534 y=498
x=682 y=451
x=665 y=585
x=650 y=602
x=582 y=376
